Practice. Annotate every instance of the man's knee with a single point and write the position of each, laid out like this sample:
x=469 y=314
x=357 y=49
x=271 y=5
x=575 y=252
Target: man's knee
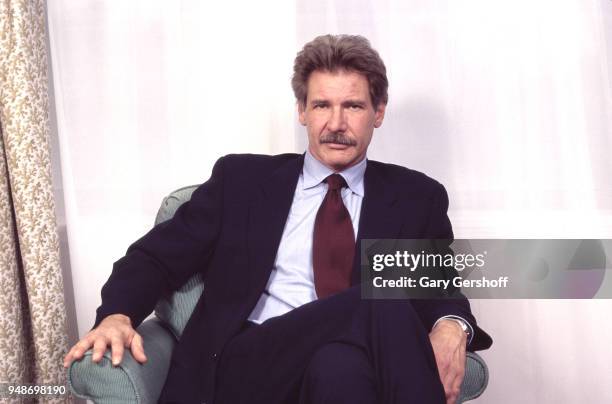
x=339 y=360
x=339 y=373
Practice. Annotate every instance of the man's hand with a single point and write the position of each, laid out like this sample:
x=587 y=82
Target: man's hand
x=115 y=330
x=448 y=341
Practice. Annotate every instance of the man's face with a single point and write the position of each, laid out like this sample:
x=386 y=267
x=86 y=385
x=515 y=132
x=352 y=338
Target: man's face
x=339 y=117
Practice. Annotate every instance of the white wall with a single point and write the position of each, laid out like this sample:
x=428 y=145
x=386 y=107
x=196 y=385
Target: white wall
x=506 y=103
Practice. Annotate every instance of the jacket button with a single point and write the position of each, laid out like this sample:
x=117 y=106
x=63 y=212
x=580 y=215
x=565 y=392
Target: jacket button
x=214 y=356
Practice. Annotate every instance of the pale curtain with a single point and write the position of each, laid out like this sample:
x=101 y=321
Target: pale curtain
x=506 y=103
x=32 y=313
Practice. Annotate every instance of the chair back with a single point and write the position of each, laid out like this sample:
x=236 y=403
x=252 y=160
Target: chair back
x=175 y=308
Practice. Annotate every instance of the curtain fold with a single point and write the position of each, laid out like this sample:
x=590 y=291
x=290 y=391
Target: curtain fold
x=32 y=312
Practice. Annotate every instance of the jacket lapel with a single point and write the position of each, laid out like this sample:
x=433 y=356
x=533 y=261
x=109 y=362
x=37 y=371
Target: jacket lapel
x=267 y=217
x=381 y=216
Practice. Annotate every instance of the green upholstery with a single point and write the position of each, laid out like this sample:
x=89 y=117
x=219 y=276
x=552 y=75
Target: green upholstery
x=476 y=378
x=131 y=382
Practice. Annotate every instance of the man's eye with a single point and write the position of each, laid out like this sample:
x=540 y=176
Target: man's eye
x=355 y=106
x=319 y=106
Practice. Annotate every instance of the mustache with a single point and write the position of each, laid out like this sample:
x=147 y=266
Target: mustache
x=338 y=138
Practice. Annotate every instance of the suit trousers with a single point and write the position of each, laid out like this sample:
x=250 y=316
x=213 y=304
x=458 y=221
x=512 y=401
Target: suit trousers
x=341 y=349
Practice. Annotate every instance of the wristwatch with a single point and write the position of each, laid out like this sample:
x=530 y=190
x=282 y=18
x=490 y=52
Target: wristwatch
x=464 y=326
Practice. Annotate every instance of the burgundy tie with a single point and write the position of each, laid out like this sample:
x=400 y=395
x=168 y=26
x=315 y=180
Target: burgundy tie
x=333 y=244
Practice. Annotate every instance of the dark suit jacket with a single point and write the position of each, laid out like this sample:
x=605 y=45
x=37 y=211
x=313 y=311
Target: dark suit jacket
x=230 y=232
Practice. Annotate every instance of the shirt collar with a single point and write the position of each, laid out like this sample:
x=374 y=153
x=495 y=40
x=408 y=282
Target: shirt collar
x=315 y=172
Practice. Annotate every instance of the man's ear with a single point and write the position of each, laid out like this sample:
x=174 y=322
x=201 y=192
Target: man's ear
x=302 y=113
x=379 y=114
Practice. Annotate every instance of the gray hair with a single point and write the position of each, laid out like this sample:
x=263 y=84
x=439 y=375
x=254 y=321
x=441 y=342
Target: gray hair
x=340 y=52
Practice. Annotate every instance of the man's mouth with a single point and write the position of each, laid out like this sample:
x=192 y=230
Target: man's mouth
x=337 y=146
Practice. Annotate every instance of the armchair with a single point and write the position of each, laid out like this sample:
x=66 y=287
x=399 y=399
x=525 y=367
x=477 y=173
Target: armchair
x=131 y=382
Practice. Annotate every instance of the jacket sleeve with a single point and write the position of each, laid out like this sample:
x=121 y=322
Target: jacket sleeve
x=168 y=255
x=431 y=310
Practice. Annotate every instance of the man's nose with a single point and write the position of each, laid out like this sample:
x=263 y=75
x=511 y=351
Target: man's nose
x=337 y=120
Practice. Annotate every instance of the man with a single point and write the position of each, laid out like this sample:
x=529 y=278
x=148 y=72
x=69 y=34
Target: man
x=276 y=238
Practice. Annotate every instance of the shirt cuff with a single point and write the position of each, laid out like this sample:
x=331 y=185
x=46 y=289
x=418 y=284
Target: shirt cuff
x=459 y=318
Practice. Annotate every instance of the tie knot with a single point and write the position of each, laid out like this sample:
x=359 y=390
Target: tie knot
x=335 y=182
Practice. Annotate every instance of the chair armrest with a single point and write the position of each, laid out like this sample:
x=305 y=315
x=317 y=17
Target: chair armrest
x=476 y=378
x=130 y=382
